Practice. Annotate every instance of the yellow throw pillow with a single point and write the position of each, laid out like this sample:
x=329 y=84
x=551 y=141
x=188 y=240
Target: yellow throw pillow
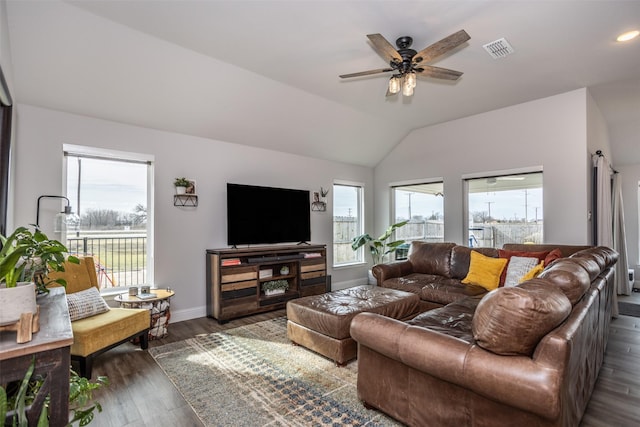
x=485 y=271
x=533 y=272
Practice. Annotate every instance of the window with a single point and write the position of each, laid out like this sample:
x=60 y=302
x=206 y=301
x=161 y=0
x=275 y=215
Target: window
x=111 y=195
x=504 y=209
x=423 y=205
x=347 y=223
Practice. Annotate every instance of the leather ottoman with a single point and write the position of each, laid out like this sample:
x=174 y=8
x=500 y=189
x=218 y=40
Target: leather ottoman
x=321 y=322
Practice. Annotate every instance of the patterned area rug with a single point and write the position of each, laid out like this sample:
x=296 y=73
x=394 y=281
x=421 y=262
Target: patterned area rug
x=629 y=309
x=253 y=376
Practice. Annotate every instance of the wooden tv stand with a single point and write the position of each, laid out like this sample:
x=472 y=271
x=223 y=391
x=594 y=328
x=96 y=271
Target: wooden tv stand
x=235 y=276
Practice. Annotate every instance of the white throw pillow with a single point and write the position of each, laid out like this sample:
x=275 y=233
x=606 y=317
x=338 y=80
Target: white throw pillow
x=517 y=268
x=86 y=303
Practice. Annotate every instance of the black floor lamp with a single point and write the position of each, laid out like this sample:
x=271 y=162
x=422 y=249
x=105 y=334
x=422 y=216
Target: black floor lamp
x=67 y=213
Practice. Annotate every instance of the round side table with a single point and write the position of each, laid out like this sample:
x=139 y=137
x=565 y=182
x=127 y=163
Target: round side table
x=157 y=303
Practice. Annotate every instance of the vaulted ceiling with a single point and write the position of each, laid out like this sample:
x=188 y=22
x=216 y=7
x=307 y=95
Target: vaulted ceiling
x=265 y=73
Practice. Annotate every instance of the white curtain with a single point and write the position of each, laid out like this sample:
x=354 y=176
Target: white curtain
x=604 y=214
x=619 y=239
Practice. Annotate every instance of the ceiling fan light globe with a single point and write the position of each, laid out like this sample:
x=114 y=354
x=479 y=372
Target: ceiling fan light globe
x=407 y=89
x=410 y=79
x=394 y=85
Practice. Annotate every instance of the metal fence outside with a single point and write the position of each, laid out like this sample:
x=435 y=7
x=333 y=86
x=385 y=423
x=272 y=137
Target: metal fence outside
x=120 y=260
x=432 y=231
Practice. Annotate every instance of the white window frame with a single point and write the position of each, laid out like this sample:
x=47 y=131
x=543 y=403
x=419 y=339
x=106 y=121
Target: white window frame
x=489 y=174
x=360 y=255
x=394 y=185
x=109 y=154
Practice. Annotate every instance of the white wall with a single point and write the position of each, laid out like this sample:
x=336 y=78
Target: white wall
x=7 y=69
x=597 y=139
x=181 y=234
x=5 y=49
x=549 y=132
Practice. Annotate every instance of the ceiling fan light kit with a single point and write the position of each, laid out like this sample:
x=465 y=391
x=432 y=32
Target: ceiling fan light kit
x=407 y=63
x=394 y=85
x=407 y=85
x=407 y=82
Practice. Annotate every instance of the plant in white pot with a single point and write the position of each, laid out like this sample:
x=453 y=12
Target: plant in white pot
x=379 y=248
x=275 y=287
x=181 y=185
x=25 y=259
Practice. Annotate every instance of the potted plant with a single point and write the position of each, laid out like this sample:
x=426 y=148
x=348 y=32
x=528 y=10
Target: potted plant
x=25 y=259
x=274 y=287
x=378 y=248
x=16 y=397
x=181 y=185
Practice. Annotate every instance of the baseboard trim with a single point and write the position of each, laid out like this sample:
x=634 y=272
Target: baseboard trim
x=188 y=314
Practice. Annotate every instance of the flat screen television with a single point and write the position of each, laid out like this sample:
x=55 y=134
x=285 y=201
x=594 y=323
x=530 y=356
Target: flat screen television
x=257 y=215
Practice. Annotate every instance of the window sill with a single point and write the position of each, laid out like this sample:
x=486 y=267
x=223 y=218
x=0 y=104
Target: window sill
x=350 y=265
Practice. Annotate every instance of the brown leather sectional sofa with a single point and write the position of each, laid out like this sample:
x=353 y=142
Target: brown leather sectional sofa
x=524 y=355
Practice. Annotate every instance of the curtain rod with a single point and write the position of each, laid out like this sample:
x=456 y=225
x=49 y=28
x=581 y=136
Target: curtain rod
x=599 y=154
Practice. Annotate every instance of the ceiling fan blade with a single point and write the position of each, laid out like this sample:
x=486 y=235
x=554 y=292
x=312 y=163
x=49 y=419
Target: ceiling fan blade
x=443 y=46
x=366 y=73
x=385 y=48
x=438 y=73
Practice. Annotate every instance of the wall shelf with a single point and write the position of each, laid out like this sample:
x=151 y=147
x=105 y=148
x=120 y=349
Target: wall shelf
x=190 y=200
x=319 y=206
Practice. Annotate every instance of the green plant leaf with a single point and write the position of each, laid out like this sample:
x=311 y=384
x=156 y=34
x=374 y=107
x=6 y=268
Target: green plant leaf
x=3 y=404
x=22 y=396
x=181 y=182
x=43 y=420
x=29 y=256
x=360 y=241
x=275 y=284
x=379 y=247
x=394 y=245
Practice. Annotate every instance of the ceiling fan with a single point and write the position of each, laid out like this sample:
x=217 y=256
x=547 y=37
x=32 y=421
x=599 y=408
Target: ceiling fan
x=406 y=63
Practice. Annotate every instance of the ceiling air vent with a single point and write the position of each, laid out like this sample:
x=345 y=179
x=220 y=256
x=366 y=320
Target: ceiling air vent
x=499 y=48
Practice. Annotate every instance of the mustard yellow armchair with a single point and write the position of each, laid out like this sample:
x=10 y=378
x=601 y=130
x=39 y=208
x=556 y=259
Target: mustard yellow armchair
x=98 y=333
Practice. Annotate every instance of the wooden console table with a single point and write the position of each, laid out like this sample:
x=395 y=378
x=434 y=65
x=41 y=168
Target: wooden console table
x=235 y=277
x=51 y=349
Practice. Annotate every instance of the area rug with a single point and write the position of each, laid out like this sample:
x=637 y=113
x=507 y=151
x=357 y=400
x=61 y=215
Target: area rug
x=253 y=376
x=629 y=309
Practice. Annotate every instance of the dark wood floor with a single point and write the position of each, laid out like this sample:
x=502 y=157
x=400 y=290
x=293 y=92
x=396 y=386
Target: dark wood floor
x=140 y=393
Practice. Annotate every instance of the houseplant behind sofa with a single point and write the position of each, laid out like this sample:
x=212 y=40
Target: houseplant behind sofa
x=379 y=248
